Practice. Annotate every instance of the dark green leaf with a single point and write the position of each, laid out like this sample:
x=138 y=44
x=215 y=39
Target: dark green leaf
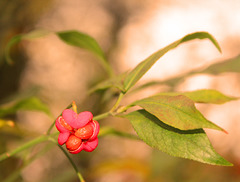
x=203 y=96
x=145 y=65
x=189 y=144
x=29 y=104
x=81 y=40
x=84 y=41
x=177 y=111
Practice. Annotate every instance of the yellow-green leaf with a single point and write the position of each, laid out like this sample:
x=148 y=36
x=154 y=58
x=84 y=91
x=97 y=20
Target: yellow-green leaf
x=177 y=111
x=203 y=96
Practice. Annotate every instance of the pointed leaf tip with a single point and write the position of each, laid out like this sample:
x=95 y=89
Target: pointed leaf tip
x=140 y=70
x=189 y=144
x=177 y=111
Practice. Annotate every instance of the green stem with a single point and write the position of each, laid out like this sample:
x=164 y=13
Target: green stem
x=117 y=102
x=106 y=66
x=101 y=116
x=111 y=131
x=53 y=123
x=71 y=161
x=50 y=128
x=26 y=146
x=111 y=112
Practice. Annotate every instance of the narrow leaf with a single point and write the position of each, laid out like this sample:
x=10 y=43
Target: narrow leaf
x=85 y=41
x=203 y=96
x=81 y=40
x=145 y=65
x=29 y=104
x=189 y=144
x=177 y=111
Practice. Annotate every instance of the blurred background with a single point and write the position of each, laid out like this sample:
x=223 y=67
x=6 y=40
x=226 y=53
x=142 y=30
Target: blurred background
x=128 y=32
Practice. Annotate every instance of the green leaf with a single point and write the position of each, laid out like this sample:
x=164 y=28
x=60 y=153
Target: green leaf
x=84 y=41
x=145 y=65
x=177 y=111
x=16 y=39
x=81 y=40
x=26 y=93
x=231 y=65
x=203 y=96
x=29 y=104
x=116 y=81
x=189 y=144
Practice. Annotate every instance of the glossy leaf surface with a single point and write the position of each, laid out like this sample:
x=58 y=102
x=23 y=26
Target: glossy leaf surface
x=189 y=144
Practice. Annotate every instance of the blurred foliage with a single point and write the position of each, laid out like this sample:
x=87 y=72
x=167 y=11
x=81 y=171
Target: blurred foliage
x=166 y=168
x=16 y=17
x=30 y=104
x=231 y=65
